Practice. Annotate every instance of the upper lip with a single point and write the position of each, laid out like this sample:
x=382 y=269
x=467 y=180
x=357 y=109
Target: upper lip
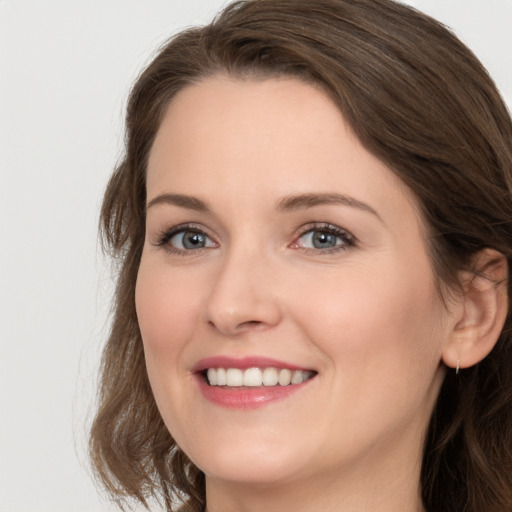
x=243 y=363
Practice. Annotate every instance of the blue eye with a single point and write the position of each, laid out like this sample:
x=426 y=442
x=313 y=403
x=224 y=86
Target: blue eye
x=325 y=238
x=190 y=240
x=183 y=239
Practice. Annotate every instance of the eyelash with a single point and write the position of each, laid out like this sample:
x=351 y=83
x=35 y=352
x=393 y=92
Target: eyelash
x=348 y=240
x=165 y=237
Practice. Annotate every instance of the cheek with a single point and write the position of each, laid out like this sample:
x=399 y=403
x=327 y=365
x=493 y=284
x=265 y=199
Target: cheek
x=381 y=335
x=375 y=321
x=167 y=309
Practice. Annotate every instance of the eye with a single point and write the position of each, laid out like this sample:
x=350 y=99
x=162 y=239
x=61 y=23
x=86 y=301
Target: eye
x=325 y=238
x=190 y=240
x=184 y=239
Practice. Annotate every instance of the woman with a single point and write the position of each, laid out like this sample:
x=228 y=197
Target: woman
x=313 y=221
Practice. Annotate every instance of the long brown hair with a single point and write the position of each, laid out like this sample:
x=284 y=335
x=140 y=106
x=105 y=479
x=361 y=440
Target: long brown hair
x=420 y=101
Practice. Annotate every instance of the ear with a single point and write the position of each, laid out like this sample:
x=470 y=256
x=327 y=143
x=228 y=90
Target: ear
x=482 y=312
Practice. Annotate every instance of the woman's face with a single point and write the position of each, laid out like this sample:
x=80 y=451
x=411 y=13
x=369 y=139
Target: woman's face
x=278 y=247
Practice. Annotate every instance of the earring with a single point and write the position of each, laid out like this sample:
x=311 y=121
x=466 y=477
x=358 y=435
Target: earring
x=458 y=367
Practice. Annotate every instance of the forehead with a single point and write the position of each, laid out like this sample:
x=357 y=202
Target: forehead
x=225 y=138
x=241 y=117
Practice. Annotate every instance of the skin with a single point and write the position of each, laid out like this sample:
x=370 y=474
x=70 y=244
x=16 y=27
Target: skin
x=367 y=317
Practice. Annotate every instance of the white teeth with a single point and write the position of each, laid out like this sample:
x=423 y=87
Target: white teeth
x=297 y=377
x=285 y=377
x=253 y=377
x=221 y=376
x=234 y=377
x=270 y=377
x=212 y=376
x=256 y=377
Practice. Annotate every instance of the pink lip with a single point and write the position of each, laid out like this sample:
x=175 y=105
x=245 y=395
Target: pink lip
x=244 y=397
x=242 y=363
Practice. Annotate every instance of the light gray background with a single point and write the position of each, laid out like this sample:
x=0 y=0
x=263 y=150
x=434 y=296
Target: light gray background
x=65 y=71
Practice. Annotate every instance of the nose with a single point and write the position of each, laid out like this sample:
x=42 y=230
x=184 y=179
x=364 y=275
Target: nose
x=243 y=296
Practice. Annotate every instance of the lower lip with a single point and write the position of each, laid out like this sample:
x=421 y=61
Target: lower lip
x=247 y=397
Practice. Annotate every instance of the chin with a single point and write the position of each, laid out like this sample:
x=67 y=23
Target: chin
x=247 y=461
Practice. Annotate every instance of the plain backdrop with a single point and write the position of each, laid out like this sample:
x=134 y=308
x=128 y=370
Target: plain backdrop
x=65 y=71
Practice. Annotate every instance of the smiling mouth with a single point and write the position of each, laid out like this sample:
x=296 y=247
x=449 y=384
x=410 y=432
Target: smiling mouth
x=256 y=377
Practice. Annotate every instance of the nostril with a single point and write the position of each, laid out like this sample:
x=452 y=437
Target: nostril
x=249 y=324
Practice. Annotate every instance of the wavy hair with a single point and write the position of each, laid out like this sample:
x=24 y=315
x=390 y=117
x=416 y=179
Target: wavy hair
x=421 y=102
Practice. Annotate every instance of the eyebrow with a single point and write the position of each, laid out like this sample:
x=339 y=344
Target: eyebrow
x=286 y=204
x=303 y=201
x=181 y=200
